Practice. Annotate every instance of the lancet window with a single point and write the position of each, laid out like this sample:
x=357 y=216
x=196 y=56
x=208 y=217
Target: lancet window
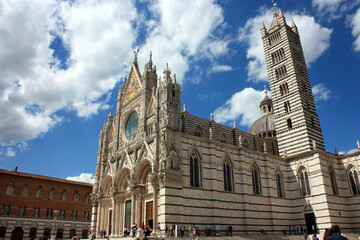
x=256 y=182
x=228 y=175
x=195 y=169
x=353 y=178
x=303 y=177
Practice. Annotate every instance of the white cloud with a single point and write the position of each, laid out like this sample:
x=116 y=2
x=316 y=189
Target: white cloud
x=84 y=177
x=321 y=92
x=220 y=68
x=348 y=152
x=99 y=37
x=334 y=9
x=355 y=24
x=10 y=152
x=315 y=40
x=186 y=30
x=243 y=104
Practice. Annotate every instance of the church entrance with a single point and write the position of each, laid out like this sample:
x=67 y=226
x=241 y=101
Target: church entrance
x=17 y=234
x=310 y=223
x=127 y=221
x=149 y=214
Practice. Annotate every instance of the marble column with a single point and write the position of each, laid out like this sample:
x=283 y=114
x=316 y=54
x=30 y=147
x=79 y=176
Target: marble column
x=113 y=223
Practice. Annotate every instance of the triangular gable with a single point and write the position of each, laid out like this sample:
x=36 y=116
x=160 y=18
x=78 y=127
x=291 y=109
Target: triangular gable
x=133 y=86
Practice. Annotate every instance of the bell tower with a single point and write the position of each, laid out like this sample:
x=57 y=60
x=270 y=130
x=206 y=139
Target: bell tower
x=296 y=121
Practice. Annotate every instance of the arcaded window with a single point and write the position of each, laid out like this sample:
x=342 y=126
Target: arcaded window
x=38 y=193
x=64 y=195
x=36 y=212
x=304 y=182
x=256 y=180
x=280 y=184
x=25 y=190
x=76 y=196
x=21 y=211
x=353 y=178
x=228 y=175
x=287 y=107
x=87 y=198
x=52 y=194
x=198 y=131
x=333 y=182
x=10 y=189
x=195 y=169
x=5 y=211
x=74 y=215
x=49 y=213
x=61 y=214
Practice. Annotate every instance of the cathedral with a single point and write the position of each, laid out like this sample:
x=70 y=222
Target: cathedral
x=159 y=165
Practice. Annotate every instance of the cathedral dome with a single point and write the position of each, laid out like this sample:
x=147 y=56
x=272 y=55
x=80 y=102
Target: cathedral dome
x=264 y=124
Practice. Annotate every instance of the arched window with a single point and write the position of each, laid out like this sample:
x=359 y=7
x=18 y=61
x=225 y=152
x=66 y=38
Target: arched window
x=52 y=194
x=304 y=182
x=25 y=190
x=195 y=169
x=76 y=196
x=280 y=184
x=38 y=193
x=32 y=233
x=2 y=232
x=228 y=175
x=333 y=181
x=64 y=195
x=289 y=123
x=223 y=138
x=353 y=178
x=256 y=180
x=198 y=131
x=10 y=189
x=87 y=198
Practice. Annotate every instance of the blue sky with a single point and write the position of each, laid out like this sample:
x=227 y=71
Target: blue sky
x=62 y=62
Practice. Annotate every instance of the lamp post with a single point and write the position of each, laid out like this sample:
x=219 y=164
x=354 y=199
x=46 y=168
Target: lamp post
x=53 y=237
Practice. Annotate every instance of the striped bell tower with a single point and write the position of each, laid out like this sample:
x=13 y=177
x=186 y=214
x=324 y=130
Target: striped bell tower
x=296 y=121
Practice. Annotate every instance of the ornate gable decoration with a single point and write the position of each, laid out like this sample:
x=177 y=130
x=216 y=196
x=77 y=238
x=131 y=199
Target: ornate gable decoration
x=133 y=87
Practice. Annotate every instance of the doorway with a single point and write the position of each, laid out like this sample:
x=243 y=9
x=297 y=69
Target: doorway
x=17 y=234
x=310 y=223
x=149 y=214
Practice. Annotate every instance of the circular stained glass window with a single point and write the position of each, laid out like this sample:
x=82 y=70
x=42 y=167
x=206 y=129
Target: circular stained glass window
x=131 y=126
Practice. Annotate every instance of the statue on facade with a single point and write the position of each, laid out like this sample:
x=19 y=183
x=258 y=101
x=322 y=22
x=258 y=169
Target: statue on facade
x=211 y=133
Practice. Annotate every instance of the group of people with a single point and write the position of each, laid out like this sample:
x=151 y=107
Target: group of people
x=334 y=233
x=100 y=233
x=132 y=231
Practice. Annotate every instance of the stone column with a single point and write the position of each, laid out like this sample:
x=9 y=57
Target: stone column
x=94 y=215
x=155 y=186
x=133 y=208
x=113 y=201
x=121 y=215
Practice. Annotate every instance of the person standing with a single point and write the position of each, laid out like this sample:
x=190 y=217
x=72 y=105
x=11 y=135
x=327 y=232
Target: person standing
x=336 y=234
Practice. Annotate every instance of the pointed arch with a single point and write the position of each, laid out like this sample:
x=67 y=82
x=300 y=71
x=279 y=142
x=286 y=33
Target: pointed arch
x=195 y=169
x=142 y=172
x=198 y=131
x=353 y=179
x=106 y=185
x=10 y=189
x=280 y=183
x=51 y=195
x=333 y=181
x=256 y=180
x=303 y=178
x=228 y=175
x=38 y=193
x=25 y=190
x=64 y=195
x=245 y=143
x=123 y=177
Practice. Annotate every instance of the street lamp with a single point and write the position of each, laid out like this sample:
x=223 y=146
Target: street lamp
x=53 y=237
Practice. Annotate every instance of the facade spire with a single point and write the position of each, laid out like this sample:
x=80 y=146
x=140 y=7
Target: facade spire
x=262 y=25
x=280 y=13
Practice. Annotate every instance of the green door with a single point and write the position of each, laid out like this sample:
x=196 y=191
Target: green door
x=128 y=213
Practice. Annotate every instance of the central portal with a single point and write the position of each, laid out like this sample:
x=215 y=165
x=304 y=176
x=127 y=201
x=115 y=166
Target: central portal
x=149 y=214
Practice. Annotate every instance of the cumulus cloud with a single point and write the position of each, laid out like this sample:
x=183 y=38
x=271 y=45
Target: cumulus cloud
x=315 y=40
x=355 y=24
x=10 y=152
x=84 y=177
x=321 y=92
x=348 y=152
x=97 y=39
x=244 y=105
x=185 y=31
